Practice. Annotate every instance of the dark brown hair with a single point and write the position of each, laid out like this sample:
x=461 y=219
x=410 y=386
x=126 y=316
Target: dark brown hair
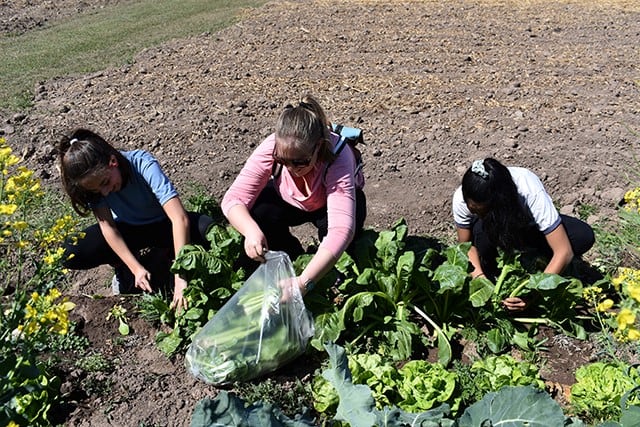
x=83 y=153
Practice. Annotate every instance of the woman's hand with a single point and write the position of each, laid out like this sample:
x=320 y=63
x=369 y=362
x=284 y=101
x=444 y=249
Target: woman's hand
x=255 y=246
x=143 y=279
x=179 y=302
x=515 y=303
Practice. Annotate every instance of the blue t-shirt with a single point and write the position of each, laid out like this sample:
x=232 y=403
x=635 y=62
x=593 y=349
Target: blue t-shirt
x=140 y=201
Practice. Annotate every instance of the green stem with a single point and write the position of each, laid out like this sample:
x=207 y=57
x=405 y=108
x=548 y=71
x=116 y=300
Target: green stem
x=363 y=333
x=518 y=288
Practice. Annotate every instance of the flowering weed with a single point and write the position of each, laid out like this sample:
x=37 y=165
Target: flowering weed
x=32 y=309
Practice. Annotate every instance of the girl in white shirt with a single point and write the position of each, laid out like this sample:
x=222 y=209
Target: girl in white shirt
x=508 y=208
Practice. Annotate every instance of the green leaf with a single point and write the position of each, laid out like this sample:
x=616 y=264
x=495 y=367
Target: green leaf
x=228 y=410
x=356 y=402
x=480 y=291
x=450 y=277
x=169 y=343
x=496 y=341
x=123 y=328
x=356 y=405
x=545 y=281
x=328 y=327
x=514 y=406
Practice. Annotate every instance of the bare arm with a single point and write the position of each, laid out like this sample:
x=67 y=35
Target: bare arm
x=180 y=231
x=562 y=252
x=117 y=244
x=255 y=243
x=319 y=265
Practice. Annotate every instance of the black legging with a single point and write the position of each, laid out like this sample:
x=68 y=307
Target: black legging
x=93 y=250
x=581 y=238
x=274 y=216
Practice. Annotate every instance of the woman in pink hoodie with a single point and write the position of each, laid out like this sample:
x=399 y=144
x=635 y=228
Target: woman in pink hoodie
x=296 y=176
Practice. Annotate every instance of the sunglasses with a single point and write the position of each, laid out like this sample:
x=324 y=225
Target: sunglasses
x=295 y=163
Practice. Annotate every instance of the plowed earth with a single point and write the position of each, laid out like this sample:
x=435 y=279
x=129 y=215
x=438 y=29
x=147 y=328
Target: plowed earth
x=550 y=85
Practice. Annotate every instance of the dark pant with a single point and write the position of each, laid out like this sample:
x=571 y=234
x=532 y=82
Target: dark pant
x=92 y=250
x=275 y=216
x=580 y=235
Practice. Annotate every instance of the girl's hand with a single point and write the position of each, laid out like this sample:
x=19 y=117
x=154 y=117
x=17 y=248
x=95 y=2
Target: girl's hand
x=289 y=286
x=179 y=302
x=143 y=279
x=255 y=247
x=515 y=304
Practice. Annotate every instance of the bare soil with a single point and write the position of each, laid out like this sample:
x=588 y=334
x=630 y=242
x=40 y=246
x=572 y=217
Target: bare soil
x=549 y=85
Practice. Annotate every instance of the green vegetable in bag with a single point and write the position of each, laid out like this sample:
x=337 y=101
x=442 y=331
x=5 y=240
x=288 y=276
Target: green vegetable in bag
x=255 y=332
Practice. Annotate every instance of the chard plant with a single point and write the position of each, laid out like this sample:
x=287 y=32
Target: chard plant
x=212 y=280
x=381 y=284
x=32 y=309
x=395 y=288
x=119 y=314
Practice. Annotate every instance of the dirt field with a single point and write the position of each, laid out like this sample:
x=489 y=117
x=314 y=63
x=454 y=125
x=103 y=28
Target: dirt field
x=550 y=85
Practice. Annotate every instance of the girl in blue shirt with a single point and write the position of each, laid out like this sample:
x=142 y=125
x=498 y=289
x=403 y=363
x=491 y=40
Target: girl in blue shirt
x=136 y=206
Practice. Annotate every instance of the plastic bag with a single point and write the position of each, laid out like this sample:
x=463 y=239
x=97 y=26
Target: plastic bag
x=257 y=330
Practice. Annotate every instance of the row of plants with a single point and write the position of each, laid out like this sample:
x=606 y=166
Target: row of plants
x=392 y=301
x=398 y=296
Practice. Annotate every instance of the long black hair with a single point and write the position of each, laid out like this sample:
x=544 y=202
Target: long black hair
x=488 y=183
x=83 y=153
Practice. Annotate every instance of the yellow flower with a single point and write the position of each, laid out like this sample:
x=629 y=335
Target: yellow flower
x=20 y=225
x=634 y=291
x=605 y=305
x=53 y=295
x=8 y=209
x=591 y=293
x=625 y=318
x=633 y=334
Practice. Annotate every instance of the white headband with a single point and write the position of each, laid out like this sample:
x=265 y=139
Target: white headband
x=73 y=141
x=478 y=168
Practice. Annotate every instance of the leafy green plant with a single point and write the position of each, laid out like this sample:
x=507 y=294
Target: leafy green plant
x=291 y=397
x=202 y=202
x=119 y=313
x=381 y=284
x=212 y=280
x=357 y=407
x=518 y=406
x=154 y=308
x=415 y=387
x=600 y=387
x=94 y=362
x=494 y=372
x=227 y=409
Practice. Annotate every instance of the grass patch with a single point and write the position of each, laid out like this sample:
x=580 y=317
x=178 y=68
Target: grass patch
x=109 y=37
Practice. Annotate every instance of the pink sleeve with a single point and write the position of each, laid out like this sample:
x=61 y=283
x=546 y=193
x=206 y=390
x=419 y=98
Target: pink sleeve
x=252 y=178
x=341 y=204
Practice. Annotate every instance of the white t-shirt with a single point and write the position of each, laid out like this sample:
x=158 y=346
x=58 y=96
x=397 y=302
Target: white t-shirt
x=532 y=196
